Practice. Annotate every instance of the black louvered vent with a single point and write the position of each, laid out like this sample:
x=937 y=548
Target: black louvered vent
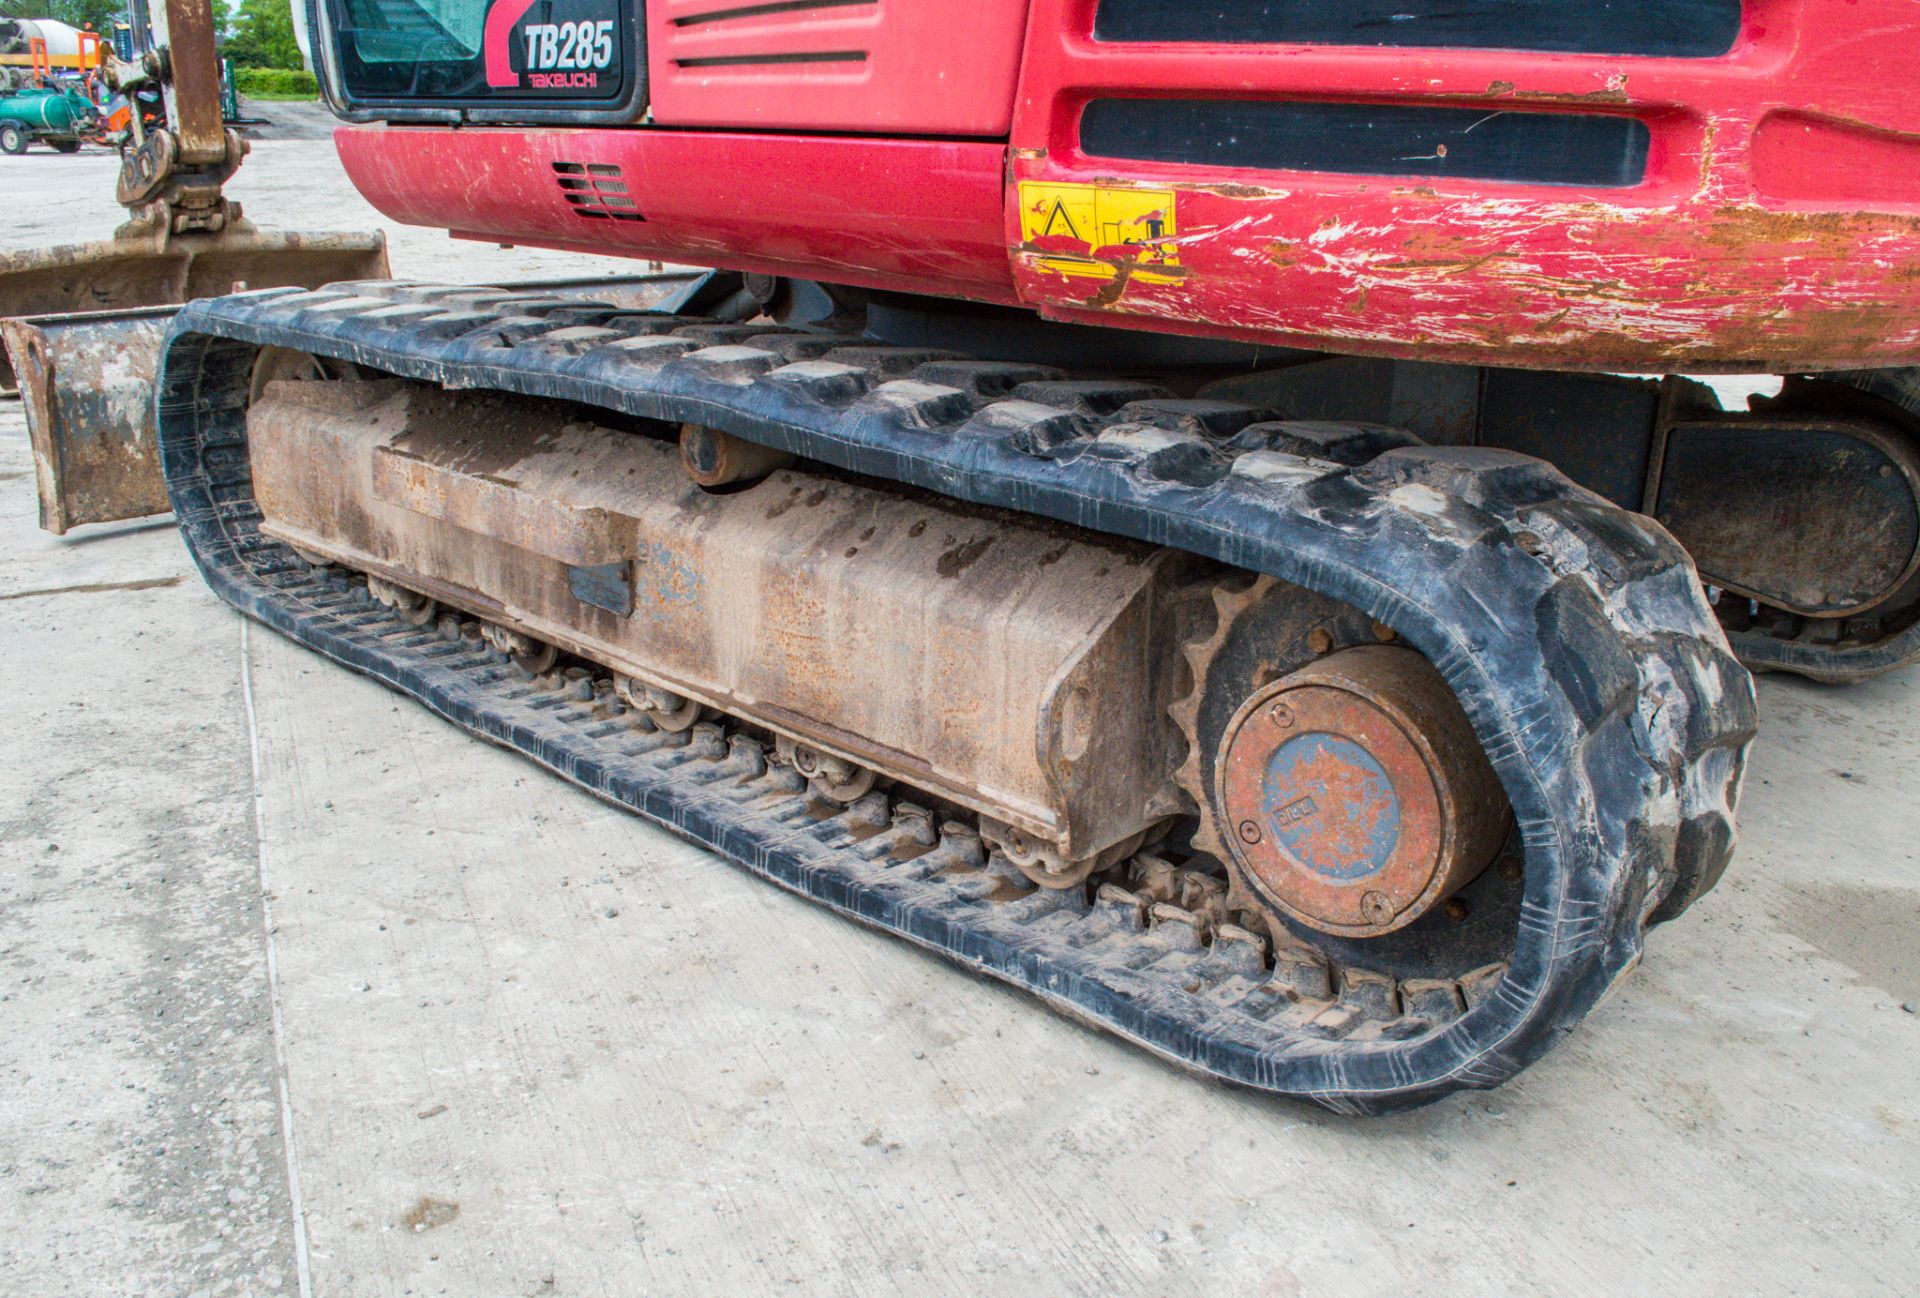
x=596 y=190
x=1686 y=29
x=1372 y=139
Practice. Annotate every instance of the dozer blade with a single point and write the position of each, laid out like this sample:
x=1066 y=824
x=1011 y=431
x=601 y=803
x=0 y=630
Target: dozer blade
x=87 y=381
x=82 y=325
x=159 y=270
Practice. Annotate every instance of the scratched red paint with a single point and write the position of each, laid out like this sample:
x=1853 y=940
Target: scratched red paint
x=1804 y=253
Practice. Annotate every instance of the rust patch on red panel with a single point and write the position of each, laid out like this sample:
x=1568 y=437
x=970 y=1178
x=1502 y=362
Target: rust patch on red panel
x=1834 y=233
x=1614 y=92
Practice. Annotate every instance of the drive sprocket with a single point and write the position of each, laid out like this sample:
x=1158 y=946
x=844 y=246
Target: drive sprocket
x=1260 y=630
x=1334 y=776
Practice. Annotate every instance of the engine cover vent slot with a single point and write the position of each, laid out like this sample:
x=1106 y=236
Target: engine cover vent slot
x=756 y=60
x=1649 y=28
x=596 y=190
x=735 y=12
x=1538 y=148
x=769 y=35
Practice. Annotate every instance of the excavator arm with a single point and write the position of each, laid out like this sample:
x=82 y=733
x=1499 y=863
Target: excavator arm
x=173 y=177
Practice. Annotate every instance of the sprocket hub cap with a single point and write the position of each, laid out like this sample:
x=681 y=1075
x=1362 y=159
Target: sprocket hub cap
x=1353 y=795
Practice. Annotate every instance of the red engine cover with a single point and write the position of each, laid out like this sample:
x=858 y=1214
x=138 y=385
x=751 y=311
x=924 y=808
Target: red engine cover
x=1764 y=213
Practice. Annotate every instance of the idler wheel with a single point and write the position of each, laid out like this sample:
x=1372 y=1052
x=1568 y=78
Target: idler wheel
x=1353 y=794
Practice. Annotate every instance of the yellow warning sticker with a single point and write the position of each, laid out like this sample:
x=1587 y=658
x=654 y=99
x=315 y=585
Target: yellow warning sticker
x=1097 y=230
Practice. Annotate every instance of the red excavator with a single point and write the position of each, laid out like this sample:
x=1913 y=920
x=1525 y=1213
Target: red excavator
x=1207 y=512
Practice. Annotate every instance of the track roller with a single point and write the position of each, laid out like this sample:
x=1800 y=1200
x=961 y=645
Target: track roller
x=669 y=711
x=833 y=778
x=534 y=657
x=414 y=608
x=1043 y=865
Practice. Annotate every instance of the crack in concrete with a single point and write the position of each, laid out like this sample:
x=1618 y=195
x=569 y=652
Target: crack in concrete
x=94 y=587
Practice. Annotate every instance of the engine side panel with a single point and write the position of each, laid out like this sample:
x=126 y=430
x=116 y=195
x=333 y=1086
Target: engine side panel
x=887 y=66
x=916 y=215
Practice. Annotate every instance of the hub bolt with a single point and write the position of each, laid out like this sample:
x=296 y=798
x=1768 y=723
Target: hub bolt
x=1376 y=907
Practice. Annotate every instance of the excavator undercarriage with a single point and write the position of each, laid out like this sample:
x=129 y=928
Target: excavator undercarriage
x=1304 y=754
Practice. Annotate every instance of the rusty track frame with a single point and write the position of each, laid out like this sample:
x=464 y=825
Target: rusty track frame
x=593 y=540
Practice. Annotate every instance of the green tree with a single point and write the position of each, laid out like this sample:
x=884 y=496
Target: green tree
x=263 y=36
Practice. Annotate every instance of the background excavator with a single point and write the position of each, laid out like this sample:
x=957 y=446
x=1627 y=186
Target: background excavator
x=1152 y=503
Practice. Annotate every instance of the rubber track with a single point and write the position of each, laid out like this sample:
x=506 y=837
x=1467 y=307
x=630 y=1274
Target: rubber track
x=1830 y=664
x=1575 y=634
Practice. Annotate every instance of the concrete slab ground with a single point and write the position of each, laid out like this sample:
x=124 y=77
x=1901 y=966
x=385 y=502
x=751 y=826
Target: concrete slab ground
x=304 y=991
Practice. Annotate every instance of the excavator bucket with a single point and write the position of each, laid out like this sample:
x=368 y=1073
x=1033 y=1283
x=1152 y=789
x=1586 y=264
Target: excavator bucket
x=82 y=326
x=83 y=323
x=87 y=381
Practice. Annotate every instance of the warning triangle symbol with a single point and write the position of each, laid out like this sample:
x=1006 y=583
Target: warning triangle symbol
x=1059 y=222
